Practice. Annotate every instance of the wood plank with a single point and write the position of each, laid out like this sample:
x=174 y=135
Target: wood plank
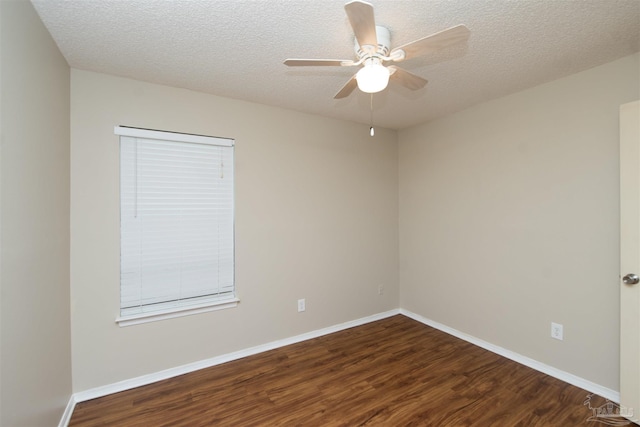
x=393 y=372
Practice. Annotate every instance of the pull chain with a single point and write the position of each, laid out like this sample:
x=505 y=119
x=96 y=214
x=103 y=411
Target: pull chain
x=371 y=130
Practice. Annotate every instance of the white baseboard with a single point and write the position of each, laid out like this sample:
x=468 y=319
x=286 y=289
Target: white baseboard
x=94 y=393
x=191 y=367
x=68 y=411
x=605 y=392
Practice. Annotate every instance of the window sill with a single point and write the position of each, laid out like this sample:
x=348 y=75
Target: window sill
x=154 y=316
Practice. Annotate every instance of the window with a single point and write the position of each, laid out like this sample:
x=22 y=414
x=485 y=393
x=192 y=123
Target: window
x=176 y=224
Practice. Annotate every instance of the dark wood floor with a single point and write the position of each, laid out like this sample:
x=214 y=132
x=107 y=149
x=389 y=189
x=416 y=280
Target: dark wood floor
x=393 y=372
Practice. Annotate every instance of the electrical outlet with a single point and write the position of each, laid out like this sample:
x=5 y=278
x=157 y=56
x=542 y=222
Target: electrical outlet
x=301 y=305
x=380 y=289
x=556 y=331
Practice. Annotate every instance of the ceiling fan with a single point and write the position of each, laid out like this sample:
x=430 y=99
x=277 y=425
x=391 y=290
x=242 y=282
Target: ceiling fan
x=372 y=47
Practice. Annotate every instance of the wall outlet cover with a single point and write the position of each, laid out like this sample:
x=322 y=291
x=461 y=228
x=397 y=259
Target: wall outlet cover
x=557 y=331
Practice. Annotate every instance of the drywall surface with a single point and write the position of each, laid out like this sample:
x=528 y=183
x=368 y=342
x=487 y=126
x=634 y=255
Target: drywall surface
x=34 y=188
x=316 y=218
x=509 y=220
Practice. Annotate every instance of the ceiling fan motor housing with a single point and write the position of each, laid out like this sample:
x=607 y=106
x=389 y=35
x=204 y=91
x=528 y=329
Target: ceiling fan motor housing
x=384 y=42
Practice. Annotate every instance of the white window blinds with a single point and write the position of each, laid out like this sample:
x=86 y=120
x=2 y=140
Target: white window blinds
x=176 y=221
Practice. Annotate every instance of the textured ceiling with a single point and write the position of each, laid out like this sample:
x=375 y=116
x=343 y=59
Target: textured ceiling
x=235 y=48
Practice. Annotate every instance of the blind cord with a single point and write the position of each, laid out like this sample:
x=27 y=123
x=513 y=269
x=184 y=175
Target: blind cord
x=221 y=164
x=135 y=182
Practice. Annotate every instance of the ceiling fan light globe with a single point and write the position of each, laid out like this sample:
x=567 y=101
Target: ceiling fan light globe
x=373 y=77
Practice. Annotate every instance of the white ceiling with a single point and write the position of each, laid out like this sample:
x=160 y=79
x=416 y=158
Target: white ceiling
x=235 y=48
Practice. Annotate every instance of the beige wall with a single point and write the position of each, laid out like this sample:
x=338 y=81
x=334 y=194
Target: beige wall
x=509 y=220
x=316 y=218
x=34 y=193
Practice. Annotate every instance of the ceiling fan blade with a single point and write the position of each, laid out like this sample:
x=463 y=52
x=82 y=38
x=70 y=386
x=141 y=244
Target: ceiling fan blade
x=360 y=14
x=431 y=43
x=347 y=88
x=318 y=62
x=406 y=79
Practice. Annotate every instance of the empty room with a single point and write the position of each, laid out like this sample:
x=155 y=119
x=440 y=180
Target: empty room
x=297 y=212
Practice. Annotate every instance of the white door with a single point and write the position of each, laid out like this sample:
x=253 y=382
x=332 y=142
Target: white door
x=630 y=260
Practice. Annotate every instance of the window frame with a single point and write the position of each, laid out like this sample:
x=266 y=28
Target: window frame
x=173 y=309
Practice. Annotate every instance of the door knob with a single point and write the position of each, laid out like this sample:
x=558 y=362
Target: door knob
x=631 y=279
